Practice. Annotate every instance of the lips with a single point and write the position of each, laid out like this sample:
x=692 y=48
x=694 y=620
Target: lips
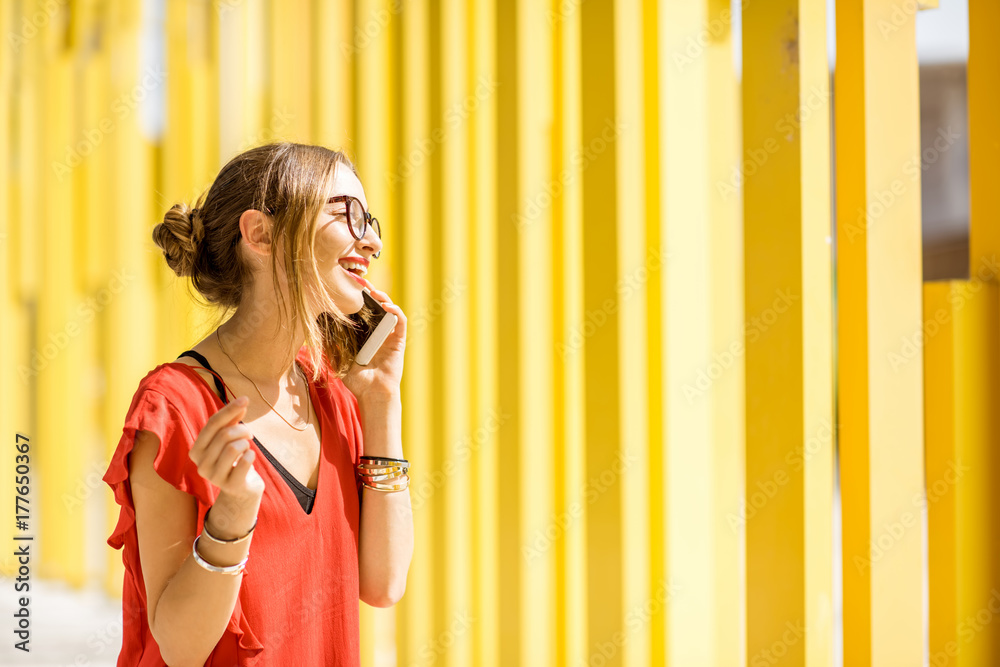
x=356 y=276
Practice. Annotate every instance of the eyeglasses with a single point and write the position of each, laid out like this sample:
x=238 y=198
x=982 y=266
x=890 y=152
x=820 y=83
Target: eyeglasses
x=358 y=218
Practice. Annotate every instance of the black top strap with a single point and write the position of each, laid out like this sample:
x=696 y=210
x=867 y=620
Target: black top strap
x=204 y=362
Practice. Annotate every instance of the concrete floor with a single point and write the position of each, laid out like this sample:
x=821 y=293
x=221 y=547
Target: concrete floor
x=69 y=628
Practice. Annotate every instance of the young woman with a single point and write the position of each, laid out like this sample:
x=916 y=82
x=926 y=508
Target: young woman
x=261 y=476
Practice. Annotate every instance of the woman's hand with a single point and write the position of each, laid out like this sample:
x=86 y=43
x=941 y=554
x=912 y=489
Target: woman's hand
x=223 y=455
x=381 y=377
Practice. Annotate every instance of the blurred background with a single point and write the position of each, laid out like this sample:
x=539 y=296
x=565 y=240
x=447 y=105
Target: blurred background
x=702 y=297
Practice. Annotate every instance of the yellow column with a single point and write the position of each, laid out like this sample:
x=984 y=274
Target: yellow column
x=131 y=171
x=336 y=45
x=56 y=349
x=569 y=478
x=12 y=420
x=984 y=131
x=417 y=628
x=291 y=63
x=879 y=313
x=483 y=441
x=962 y=361
x=695 y=258
x=789 y=456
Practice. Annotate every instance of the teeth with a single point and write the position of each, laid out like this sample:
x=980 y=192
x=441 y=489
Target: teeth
x=354 y=265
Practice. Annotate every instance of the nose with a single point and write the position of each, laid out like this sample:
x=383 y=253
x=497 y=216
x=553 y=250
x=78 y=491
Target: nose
x=371 y=242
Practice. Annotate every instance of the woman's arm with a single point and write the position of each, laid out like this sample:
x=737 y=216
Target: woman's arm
x=188 y=606
x=386 y=544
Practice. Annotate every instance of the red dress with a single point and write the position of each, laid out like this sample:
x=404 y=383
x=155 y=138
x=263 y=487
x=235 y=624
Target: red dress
x=298 y=602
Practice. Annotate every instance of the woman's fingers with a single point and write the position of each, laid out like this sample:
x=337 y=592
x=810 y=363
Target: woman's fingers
x=227 y=415
x=229 y=444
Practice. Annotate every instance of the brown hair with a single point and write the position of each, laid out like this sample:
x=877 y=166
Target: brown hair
x=292 y=182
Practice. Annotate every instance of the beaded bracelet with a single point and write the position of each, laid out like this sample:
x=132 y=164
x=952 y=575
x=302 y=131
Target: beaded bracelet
x=229 y=569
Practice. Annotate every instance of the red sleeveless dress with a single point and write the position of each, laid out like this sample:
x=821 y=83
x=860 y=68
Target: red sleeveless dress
x=299 y=600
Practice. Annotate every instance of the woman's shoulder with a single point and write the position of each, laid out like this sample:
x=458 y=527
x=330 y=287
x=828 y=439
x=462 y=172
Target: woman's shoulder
x=180 y=384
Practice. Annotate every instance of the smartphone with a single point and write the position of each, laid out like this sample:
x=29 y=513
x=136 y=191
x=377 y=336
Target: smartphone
x=369 y=338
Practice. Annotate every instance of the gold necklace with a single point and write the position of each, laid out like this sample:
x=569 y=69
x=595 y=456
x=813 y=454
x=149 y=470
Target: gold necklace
x=308 y=398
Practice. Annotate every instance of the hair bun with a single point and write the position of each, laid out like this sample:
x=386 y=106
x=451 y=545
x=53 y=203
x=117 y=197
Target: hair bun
x=179 y=236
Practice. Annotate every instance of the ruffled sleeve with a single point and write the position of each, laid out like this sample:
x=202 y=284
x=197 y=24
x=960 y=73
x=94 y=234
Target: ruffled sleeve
x=153 y=411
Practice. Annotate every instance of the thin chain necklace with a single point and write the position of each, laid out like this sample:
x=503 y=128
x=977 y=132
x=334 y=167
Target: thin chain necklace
x=308 y=398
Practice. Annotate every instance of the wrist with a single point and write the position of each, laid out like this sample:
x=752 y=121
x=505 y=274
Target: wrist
x=229 y=518
x=378 y=403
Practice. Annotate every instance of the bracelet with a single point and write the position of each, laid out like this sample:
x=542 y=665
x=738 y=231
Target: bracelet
x=365 y=470
x=229 y=569
x=235 y=540
x=384 y=458
x=388 y=487
x=380 y=478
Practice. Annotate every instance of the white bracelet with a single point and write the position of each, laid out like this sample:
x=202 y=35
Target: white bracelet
x=229 y=569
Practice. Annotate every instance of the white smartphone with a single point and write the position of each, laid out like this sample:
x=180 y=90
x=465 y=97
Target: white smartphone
x=369 y=338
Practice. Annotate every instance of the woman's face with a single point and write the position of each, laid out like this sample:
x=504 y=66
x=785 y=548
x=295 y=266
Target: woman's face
x=342 y=259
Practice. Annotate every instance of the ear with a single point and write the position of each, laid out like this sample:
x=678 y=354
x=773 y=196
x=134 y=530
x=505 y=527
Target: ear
x=256 y=230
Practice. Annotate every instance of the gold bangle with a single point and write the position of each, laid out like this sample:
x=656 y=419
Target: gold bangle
x=229 y=569
x=388 y=487
x=381 y=478
x=380 y=470
x=374 y=461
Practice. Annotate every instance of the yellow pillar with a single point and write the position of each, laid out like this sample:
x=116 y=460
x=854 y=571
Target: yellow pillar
x=131 y=171
x=962 y=361
x=879 y=312
x=789 y=454
x=984 y=132
x=693 y=259
x=569 y=478
x=483 y=329
x=417 y=626
x=56 y=348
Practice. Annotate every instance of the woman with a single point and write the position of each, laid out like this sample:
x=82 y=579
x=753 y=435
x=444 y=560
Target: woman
x=272 y=575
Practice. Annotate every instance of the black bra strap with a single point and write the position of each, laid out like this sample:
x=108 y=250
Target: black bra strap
x=204 y=362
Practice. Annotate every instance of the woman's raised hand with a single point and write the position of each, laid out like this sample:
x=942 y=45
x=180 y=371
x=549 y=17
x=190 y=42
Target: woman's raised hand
x=223 y=455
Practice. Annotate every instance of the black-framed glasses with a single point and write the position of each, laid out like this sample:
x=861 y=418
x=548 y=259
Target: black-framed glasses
x=358 y=218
